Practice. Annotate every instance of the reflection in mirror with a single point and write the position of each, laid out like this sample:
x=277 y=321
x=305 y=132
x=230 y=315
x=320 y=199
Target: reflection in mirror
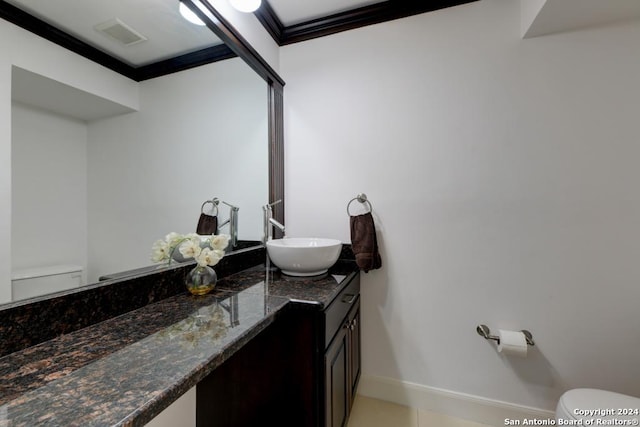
x=95 y=183
x=136 y=32
x=96 y=194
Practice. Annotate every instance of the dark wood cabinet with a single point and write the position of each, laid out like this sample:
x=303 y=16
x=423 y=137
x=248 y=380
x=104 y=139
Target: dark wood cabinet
x=336 y=367
x=342 y=369
x=301 y=371
x=354 y=348
x=341 y=362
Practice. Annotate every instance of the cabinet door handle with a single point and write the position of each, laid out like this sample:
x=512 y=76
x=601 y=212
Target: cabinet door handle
x=349 y=298
x=351 y=325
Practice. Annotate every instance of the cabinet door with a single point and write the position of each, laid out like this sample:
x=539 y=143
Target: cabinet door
x=337 y=382
x=354 y=350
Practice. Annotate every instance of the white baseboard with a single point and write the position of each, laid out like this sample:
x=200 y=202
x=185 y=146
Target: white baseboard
x=459 y=405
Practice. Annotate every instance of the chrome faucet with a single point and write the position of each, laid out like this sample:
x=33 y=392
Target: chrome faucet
x=233 y=225
x=269 y=222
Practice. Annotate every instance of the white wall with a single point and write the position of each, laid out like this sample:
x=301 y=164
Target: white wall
x=181 y=413
x=504 y=179
x=49 y=189
x=199 y=134
x=529 y=10
x=32 y=53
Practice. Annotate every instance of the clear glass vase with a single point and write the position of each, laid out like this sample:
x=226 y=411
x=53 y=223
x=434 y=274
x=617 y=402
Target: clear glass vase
x=201 y=280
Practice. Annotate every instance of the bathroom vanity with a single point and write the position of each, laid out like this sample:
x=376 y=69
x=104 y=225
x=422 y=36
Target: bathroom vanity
x=262 y=346
x=301 y=371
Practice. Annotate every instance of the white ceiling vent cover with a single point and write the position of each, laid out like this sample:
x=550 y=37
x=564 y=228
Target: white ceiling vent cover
x=118 y=30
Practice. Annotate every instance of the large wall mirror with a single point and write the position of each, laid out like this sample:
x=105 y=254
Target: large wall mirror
x=95 y=182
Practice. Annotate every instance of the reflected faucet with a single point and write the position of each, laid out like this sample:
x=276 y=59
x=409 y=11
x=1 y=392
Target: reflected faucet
x=269 y=222
x=233 y=225
x=232 y=308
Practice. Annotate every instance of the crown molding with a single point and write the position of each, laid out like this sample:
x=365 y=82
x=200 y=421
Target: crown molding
x=343 y=21
x=184 y=62
x=39 y=27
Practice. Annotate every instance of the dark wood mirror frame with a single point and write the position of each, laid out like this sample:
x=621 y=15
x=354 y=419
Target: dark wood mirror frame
x=241 y=47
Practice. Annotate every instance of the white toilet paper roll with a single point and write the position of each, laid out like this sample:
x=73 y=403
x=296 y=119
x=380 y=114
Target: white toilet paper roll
x=512 y=343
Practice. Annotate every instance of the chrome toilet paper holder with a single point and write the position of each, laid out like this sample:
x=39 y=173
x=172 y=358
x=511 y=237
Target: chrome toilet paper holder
x=485 y=332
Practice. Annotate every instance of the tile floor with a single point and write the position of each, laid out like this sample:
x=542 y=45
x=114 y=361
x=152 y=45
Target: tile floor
x=368 y=412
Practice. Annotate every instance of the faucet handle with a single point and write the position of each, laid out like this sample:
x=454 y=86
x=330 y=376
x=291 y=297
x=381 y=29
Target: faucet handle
x=235 y=208
x=268 y=206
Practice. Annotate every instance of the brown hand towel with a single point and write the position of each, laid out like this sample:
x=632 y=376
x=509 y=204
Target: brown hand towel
x=207 y=224
x=364 y=242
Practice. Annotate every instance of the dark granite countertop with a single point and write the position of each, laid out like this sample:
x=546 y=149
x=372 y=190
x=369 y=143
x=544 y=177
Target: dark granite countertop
x=316 y=290
x=127 y=369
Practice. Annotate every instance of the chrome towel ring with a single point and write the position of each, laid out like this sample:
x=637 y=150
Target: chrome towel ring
x=362 y=198
x=213 y=202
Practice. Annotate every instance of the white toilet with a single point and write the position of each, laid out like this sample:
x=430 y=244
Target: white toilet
x=577 y=406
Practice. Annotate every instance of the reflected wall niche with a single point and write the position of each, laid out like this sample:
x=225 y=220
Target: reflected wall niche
x=98 y=192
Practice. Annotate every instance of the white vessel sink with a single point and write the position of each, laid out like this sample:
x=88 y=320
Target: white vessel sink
x=304 y=256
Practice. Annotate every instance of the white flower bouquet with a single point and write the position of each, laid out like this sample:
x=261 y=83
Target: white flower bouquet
x=206 y=250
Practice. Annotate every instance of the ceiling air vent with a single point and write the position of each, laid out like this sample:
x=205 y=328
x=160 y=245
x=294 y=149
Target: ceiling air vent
x=118 y=30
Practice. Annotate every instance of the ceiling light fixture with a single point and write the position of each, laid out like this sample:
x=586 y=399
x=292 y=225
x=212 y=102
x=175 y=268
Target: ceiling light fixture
x=189 y=15
x=247 y=6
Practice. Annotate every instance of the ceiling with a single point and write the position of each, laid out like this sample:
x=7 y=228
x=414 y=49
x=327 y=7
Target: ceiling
x=554 y=16
x=173 y=44
x=168 y=34
x=295 y=11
